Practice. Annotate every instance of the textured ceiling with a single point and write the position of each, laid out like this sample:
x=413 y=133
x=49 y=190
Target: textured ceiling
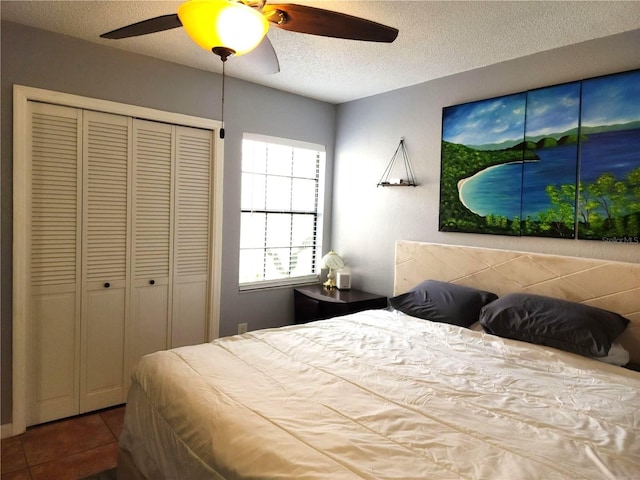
x=437 y=38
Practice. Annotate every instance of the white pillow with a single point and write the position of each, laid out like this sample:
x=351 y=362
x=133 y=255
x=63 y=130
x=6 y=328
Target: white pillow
x=617 y=355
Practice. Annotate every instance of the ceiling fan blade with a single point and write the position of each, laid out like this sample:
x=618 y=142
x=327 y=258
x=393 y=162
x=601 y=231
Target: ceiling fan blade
x=316 y=21
x=152 y=25
x=263 y=58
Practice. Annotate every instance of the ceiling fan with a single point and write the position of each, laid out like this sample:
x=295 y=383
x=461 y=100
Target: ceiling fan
x=236 y=27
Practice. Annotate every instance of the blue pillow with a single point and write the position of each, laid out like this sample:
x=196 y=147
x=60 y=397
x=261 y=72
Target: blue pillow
x=443 y=302
x=573 y=327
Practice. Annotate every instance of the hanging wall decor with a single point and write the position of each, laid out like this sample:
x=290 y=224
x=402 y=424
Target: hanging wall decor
x=388 y=181
x=560 y=161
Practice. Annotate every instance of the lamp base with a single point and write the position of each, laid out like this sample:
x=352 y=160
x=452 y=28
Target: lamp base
x=331 y=283
x=331 y=280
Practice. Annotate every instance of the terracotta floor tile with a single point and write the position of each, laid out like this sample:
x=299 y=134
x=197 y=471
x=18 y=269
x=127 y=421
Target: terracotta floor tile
x=79 y=465
x=66 y=437
x=19 y=475
x=114 y=418
x=12 y=455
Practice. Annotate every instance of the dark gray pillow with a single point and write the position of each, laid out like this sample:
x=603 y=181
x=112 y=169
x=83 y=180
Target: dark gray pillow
x=569 y=326
x=443 y=302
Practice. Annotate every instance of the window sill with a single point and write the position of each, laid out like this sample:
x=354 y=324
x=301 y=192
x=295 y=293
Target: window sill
x=281 y=283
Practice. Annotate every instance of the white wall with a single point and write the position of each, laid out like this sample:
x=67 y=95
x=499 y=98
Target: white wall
x=368 y=220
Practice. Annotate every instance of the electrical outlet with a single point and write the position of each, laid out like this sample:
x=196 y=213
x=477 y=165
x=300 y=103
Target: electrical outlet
x=242 y=328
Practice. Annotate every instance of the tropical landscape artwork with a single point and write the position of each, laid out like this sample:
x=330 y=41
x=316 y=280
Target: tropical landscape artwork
x=561 y=161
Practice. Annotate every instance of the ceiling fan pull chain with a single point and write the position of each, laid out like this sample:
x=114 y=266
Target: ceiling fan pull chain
x=223 y=53
x=224 y=61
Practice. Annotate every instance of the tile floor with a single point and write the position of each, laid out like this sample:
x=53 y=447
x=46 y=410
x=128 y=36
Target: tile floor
x=67 y=449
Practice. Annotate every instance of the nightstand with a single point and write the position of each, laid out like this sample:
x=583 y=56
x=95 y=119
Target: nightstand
x=315 y=302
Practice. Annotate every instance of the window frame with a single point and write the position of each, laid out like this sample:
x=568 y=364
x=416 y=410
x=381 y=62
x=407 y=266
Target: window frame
x=319 y=214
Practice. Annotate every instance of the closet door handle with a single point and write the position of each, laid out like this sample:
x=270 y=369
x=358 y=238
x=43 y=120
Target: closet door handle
x=152 y=282
x=107 y=285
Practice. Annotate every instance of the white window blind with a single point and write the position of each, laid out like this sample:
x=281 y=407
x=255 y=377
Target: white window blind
x=280 y=231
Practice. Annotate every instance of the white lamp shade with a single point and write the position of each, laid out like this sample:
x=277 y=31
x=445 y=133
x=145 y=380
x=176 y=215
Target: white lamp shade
x=332 y=261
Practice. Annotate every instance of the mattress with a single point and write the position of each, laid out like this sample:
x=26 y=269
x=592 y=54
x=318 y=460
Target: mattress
x=380 y=394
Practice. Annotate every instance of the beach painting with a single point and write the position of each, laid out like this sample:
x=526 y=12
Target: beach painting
x=548 y=207
x=481 y=168
x=609 y=183
x=529 y=164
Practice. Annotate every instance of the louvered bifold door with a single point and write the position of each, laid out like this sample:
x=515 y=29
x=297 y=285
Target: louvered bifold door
x=192 y=248
x=152 y=237
x=53 y=311
x=106 y=152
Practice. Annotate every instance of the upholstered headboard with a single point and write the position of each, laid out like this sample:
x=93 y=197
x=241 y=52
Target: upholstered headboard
x=610 y=285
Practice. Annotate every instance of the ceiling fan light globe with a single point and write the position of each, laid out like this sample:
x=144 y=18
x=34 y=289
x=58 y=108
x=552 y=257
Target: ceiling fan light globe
x=223 y=23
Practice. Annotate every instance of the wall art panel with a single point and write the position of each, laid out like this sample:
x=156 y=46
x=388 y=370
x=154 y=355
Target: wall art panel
x=560 y=161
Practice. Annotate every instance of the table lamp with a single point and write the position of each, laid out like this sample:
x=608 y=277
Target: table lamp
x=332 y=261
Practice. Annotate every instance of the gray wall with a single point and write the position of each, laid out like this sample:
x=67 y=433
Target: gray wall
x=46 y=60
x=368 y=132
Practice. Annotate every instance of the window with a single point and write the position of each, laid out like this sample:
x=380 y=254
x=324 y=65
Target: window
x=281 y=207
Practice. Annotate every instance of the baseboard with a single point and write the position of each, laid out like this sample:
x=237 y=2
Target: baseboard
x=6 y=430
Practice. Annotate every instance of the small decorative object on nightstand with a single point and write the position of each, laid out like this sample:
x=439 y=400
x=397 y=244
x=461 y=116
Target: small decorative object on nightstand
x=332 y=261
x=343 y=281
x=316 y=302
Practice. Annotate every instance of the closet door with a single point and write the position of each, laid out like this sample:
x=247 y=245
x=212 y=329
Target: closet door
x=192 y=249
x=106 y=155
x=53 y=263
x=152 y=237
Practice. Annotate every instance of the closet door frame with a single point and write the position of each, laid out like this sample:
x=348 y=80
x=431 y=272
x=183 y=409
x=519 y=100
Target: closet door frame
x=21 y=176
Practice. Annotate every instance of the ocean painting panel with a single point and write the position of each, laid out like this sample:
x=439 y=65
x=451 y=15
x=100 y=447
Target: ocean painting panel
x=481 y=166
x=609 y=183
x=550 y=169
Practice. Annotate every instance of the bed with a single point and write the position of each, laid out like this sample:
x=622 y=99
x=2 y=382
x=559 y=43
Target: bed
x=385 y=394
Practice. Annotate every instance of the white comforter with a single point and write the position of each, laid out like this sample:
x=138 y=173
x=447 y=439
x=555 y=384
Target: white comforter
x=381 y=395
